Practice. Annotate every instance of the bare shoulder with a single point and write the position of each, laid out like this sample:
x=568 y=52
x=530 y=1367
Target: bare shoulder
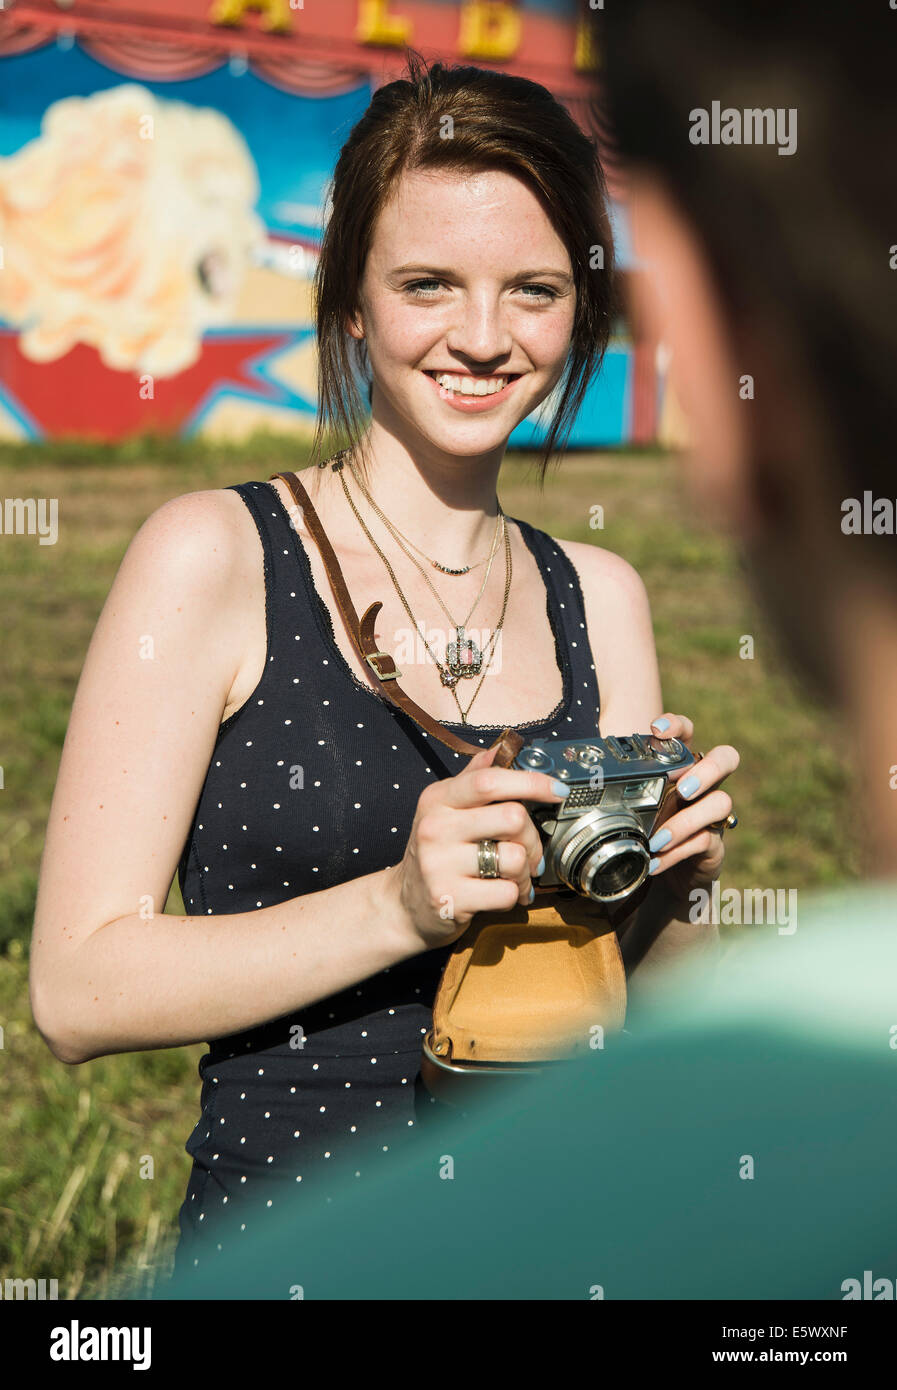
x=195 y=569
x=621 y=637
x=208 y=528
x=605 y=575
x=200 y=546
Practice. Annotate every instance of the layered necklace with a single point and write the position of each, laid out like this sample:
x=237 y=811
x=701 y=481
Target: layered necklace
x=464 y=659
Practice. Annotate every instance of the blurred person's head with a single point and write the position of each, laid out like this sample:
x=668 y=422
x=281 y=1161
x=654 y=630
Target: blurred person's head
x=780 y=267
x=466 y=209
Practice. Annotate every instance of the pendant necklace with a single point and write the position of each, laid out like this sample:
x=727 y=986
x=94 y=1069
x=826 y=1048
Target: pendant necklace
x=464 y=657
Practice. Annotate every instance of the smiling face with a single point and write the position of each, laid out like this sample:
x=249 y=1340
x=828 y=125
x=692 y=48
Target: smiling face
x=467 y=306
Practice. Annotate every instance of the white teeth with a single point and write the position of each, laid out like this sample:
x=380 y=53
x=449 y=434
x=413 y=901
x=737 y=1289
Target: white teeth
x=472 y=386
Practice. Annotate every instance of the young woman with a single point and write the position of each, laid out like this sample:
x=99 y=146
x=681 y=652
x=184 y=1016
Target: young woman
x=224 y=724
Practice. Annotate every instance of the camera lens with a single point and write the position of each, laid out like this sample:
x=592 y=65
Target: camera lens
x=603 y=857
x=618 y=875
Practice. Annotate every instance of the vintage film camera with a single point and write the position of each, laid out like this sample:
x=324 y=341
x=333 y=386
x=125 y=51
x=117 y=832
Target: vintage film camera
x=596 y=841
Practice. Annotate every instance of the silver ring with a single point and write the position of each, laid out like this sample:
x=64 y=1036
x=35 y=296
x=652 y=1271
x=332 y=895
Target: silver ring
x=487 y=859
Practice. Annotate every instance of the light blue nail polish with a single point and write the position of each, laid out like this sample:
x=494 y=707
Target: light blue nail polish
x=540 y=867
x=558 y=788
x=532 y=894
x=658 y=841
x=661 y=724
x=653 y=865
x=689 y=786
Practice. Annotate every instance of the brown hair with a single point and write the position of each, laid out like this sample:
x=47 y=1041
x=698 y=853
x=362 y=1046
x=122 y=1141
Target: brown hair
x=497 y=121
x=802 y=254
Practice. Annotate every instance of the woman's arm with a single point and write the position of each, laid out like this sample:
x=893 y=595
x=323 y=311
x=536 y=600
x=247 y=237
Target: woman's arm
x=105 y=977
x=621 y=635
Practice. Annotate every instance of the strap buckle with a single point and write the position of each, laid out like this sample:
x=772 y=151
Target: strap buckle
x=387 y=675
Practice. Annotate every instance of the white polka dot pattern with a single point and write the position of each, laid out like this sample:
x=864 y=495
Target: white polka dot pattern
x=318 y=776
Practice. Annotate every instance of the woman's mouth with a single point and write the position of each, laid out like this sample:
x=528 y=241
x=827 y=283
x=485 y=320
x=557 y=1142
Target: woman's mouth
x=472 y=393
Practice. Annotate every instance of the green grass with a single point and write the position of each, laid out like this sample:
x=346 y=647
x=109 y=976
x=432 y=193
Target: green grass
x=76 y=1200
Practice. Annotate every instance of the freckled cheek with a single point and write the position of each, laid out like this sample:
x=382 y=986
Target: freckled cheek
x=546 y=341
x=402 y=337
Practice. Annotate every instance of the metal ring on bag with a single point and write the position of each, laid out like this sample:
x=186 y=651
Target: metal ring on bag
x=487 y=859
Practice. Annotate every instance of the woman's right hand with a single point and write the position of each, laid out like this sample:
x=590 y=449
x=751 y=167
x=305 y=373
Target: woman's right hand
x=438 y=882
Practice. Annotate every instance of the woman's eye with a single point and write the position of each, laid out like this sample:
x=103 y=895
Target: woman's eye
x=541 y=292
x=426 y=289
x=417 y=288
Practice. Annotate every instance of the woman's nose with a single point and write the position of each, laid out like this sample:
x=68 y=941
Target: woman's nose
x=480 y=331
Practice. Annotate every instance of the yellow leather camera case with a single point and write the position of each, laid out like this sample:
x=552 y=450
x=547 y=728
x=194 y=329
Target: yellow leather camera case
x=522 y=987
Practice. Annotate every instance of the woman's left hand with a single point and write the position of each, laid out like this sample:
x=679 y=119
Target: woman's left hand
x=684 y=850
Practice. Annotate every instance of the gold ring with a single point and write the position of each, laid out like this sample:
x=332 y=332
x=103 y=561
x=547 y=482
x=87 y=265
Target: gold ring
x=487 y=859
x=722 y=825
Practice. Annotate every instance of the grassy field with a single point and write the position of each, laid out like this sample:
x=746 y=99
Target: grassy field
x=75 y=1203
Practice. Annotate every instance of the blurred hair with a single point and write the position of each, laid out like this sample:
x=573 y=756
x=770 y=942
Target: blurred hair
x=497 y=122
x=800 y=249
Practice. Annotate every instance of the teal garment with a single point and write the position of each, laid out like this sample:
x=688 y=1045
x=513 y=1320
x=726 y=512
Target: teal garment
x=626 y=1174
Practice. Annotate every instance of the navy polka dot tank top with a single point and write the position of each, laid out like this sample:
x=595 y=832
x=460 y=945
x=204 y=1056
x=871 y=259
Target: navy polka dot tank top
x=312 y=782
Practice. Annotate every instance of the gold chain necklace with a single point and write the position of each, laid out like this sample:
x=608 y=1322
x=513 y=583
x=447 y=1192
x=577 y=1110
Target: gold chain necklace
x=400 y=535
x=448 y=676
x=470 y=666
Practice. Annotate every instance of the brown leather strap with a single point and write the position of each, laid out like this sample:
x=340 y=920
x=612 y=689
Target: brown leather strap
x=509 y=742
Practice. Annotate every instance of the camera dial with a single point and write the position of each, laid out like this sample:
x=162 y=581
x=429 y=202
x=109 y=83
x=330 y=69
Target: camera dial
x=537 y=759
x=666 y=750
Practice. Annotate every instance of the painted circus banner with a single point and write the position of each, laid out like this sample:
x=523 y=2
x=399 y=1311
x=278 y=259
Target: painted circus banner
x=163 y=182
